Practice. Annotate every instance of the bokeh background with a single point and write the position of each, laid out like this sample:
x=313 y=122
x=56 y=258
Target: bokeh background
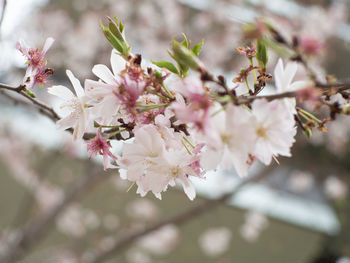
x=300 y=213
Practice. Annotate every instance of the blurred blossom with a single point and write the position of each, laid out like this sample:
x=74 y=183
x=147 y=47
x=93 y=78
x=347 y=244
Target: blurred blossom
x=161 y=241
x=7 y=237
x=91 y=219
x=335 y=188
x=70 y=222
x=215 y=241
x=106 y=243
x=143 y=209
x=310 y=46
x=110 y=222
x=300 y=181
x=48 y=196
x=255 y=223
x=137 y=256
x=64 y=256
x=343 y=260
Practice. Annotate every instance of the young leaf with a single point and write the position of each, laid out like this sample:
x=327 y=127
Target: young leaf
x=165 y=64
x=261 y=54
x=186 y=43
x=197 y=48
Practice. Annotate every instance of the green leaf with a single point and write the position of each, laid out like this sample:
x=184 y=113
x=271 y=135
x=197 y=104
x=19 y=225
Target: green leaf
x=113 y=34
x=168 y=65
x=197 y=48
x=186 y=43
x=185 y=56
x=261 y=54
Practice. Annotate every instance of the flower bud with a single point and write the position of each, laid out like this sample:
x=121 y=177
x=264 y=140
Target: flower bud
x=186 y=57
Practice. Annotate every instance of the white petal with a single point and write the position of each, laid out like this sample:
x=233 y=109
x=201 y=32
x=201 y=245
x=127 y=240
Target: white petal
x=48 y=43
x=97 y=89
x=188 y=188
x=65 y=123
x=211 y=159
x=104 y=73
x=76 y=84
x=61 y=92
x=123 y=174
x=278 y=74
x=117 y=63
x=298 y=85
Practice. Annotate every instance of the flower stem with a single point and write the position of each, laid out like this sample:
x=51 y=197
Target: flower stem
x=116 y=132
x=168 y=92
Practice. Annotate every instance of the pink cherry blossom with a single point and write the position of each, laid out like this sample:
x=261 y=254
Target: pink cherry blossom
x=36 y=72
x=116 y=91
x=196 y=110
x=100 y=145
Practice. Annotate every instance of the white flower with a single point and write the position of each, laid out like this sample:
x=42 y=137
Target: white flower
x=230 y=141
x=78 y=117
x=283 y=80
x=255 y=223
x=275 y=129
x=153 y=166
x=105 y=91
x=215 y=241
x=161 y=241
x=335 y=188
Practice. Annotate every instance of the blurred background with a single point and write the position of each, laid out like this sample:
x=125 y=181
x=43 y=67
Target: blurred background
x=300 y=213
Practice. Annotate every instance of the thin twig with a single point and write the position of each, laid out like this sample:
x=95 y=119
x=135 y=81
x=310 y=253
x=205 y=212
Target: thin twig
x=178 y=219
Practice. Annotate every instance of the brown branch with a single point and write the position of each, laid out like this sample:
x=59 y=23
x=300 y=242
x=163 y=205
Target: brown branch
x=43 y=108
x=34 y=232
x=248 y=99
x=178 y=219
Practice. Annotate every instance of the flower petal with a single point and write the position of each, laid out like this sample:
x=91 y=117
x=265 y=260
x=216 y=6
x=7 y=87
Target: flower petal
x=104 y=73
x=76 y=84
x=48 y=43
x=61 y=92
x=117 y=63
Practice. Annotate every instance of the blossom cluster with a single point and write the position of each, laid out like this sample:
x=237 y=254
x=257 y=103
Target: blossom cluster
x=36 y=72
x=177 y=124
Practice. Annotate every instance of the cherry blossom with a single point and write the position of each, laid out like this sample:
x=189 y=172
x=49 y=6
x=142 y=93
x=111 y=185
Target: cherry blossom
x=283 y=80
x=78 y=113
x=116 y=92
x=153 y=167
x=196 y=110
x=275 y=129
x=36 y=71
x=100 y=145
x=231 y=140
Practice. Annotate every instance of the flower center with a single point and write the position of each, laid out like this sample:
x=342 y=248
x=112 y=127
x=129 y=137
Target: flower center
x=261 y=132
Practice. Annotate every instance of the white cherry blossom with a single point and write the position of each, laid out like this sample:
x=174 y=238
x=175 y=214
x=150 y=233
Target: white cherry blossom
x=283 y=80
x=275 y=129
x=231 y=140
x=78 y=117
